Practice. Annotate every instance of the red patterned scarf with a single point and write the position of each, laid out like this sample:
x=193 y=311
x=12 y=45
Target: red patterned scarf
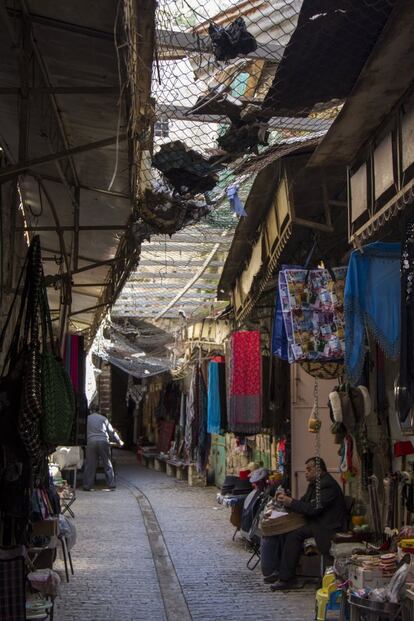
x=245 y=414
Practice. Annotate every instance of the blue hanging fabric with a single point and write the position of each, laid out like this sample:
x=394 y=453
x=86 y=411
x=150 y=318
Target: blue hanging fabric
x=279 y=337
x=372 y=300
x=213 y=399
x=235 y=202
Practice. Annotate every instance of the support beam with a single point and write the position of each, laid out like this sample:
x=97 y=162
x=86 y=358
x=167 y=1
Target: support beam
x=188 y=286
x=89 y=284
x=61 y=90
x=177 y=263
x=188 y=42
x=89 y=227
x=81 y=186
x=12 y=171
x=52 y=22
x=183 y=113
x=88 y=310
x=139 y=277
x=92 y=266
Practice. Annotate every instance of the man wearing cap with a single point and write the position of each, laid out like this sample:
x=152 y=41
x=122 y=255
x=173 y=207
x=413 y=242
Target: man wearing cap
x=280 y=553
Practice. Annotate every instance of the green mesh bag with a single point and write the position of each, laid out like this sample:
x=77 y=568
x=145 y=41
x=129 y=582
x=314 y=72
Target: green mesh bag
x=58 y=398
x=58 y=401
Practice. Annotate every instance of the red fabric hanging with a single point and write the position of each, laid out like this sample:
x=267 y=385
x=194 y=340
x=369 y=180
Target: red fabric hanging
x=245 y=382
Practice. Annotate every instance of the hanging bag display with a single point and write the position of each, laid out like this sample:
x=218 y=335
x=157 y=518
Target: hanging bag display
x=58 y=399
x=313 y=313
x=30 y=407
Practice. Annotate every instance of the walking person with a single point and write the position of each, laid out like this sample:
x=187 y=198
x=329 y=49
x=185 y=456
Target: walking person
x=99 y=434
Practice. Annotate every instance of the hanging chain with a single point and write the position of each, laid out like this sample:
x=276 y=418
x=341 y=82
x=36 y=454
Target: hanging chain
x=317 y=443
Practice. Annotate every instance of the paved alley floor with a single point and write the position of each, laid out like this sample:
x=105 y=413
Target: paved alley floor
x=158 y=550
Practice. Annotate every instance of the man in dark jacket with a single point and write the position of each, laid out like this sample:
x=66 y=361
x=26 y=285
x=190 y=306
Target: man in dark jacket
x=323 y=521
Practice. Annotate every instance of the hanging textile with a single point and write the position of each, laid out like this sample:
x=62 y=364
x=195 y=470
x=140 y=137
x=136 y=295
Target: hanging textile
x=203 y=439
x=223 y=395
x=312 y=308
x=191 y=405
x=12 y=585
x=182 y=412
x=214 y=403
x=404 y=391
x=279 y=337
x=372 y=300
x=245 y=412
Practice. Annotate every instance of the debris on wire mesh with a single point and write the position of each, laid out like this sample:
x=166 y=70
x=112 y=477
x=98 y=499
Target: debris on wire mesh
x=166 y=212
x=232 y=41
x=234 y=200
x=187 y=170
x=244 y=137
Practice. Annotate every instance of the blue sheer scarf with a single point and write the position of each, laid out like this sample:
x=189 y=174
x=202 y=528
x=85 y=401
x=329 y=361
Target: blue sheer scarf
x=372 y=300
x=214 y=401
x=279 y=337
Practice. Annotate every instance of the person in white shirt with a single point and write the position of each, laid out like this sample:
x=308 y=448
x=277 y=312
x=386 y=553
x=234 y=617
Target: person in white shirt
x=99 y=434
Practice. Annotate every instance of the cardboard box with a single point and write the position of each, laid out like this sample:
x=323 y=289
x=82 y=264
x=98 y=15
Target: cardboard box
x=49 y=527
x=366 y=578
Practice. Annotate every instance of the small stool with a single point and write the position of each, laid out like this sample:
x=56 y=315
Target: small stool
x=327 y=598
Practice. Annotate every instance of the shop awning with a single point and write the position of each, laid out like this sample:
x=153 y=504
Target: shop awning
x=385 y=78
x=65 y=128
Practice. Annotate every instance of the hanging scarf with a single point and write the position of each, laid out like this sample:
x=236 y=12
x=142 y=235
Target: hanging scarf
x=279 y=337
x=404 y=391
x=203 y=439
x=245 y=414
x=214 y=402
x=372 y=300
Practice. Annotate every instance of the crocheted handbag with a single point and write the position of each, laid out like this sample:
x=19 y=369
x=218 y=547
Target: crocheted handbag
x=28 y=421
x=58 y=398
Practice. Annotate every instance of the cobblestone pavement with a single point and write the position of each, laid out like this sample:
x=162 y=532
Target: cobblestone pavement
x=115 y=576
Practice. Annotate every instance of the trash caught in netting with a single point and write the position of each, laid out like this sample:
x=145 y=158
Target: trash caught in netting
x=236 y=84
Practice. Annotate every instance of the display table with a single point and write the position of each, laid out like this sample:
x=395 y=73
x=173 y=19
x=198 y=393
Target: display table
x=148 y=458
x=160 y=463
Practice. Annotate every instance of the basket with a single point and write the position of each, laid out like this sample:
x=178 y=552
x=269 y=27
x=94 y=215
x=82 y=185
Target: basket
x=281 y=525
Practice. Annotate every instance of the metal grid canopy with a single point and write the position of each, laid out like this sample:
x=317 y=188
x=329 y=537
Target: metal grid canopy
x=177 y=277
x=197 y=99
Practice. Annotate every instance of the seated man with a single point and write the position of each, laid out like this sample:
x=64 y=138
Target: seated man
x=280 y=553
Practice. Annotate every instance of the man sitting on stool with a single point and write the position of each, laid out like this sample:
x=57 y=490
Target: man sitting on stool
x=280 y=553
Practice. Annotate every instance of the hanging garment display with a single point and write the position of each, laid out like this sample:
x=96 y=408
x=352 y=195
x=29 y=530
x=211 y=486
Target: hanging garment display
x=191 y=405
x=312 y=308
x=204 y=438
x=404 y=389
x=214 y=402
x=279 y=337
x=245 y=411
x=216 y=396
x=13 y=584
x=372 y=300
x=30 y=412
x=58 y=399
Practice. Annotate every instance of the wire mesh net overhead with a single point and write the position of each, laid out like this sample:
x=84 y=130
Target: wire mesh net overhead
x=232 y=77
x=235 y=84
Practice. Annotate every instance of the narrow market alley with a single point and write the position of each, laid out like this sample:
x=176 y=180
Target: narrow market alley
x=123 y=572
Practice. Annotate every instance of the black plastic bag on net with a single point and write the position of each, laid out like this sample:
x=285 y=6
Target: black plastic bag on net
x=232 y=41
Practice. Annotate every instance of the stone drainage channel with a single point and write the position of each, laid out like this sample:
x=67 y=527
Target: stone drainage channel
x=175 y=604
